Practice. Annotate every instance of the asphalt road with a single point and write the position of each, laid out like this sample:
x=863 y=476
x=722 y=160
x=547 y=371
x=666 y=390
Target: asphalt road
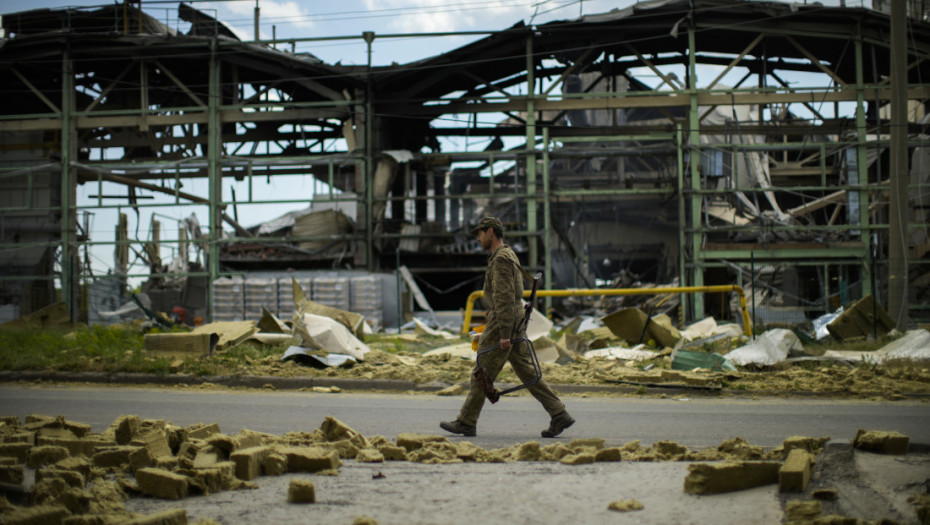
x=695 y=422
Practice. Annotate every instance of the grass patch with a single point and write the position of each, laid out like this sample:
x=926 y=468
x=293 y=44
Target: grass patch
x=95 y=348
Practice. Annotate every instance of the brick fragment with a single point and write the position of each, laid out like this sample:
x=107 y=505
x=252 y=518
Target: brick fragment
x=88 y=519
x=802 y=511
x=883 y=442
x=203 y=431
x=274 y=464
x=19 y=437
x=13 y=474
x=393 y=453
x=140 y=459
x=75 y=446
x=249 y=438
x=712 y=478
x=46 y=455
x=205 y=458
x=369 y=455
x=582 y=458
x=165 y=517
x=114 y=456
x=595 y=443
x=76 y=464
x=155 y=440
x=125 y=428
x=249 y=461
x=412 y=441
x=796 y=472
x=310 y=459
x=76 y=500
x=15 y=450
x=223 y=444
x=72 y=478
x=608 y=454
x=301 y=491
x=35 y=515
x=161 y=483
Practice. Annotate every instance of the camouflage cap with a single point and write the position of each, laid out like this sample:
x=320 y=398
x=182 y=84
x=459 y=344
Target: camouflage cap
x=488 y=222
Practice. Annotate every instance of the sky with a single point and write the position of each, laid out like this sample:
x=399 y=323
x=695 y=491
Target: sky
x=285 y=19
x=315 y=19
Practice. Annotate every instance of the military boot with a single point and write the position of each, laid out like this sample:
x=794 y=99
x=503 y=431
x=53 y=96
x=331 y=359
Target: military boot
x=559 y=422
x=457 y=427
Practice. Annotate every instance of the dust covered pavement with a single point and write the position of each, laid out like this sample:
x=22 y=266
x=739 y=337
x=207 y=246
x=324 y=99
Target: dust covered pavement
x=151 y=471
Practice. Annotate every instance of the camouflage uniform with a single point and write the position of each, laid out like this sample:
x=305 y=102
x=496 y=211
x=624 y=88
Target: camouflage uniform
x=503 y=289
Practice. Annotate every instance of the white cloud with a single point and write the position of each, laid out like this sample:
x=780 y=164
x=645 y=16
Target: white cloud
x=240 y=15
x=431 y=16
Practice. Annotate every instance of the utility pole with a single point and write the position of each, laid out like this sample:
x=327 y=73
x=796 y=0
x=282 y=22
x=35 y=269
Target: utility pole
x=897 y=206
x=257 y=12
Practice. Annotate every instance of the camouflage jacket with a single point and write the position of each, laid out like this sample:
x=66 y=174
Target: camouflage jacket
x=503 y=291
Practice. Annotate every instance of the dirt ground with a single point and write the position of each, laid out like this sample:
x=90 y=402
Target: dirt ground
x=869 y=486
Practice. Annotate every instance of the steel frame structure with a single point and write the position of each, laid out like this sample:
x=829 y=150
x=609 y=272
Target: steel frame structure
x=211 y=107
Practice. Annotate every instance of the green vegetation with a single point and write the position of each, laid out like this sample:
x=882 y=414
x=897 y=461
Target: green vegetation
x=95 y=348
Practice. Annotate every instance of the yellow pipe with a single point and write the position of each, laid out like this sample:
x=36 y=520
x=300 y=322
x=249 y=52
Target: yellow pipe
x=747 y=329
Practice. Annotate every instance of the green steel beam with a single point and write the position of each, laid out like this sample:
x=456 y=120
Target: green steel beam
x=68 y=153
x=531 y=202
x=782 y=254
x=696 y=277
x=547 y=220
x=214 y=174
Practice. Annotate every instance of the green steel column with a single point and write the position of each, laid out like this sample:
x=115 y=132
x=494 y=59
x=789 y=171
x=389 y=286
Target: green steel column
x=214 y=174
x=681 y=212
x=694 y=141
x=369 y=161
x=531 y=203
x=68 y=153
x=547 y=221
x=862 y=166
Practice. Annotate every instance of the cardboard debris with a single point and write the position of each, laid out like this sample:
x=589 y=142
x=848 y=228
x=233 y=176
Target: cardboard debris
x=353 y=321
x=325 y=333
x=307 y=357
x=538 y=326
x=456 y=350
x=915 y=345
x=272 y=339
x=270 y=324
x=423 y=329
x=820 y=324
x=864 y=318
x=618 y=352
x=181 y=345
x=230 y=333
x=772 y=347
x=699 y=330
x=635 y=327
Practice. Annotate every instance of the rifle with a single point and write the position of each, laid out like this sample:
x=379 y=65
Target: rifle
x=481 y=374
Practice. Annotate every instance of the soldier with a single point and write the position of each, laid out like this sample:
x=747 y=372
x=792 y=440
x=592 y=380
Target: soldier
x=503 y=288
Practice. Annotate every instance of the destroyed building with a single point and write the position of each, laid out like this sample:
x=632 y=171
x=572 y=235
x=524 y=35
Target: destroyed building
x=695 y=143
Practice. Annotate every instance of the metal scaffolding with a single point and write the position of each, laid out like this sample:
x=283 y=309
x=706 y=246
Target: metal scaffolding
x=609 y=144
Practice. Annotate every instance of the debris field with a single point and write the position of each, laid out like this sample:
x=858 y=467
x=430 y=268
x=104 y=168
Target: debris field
x=57 y=471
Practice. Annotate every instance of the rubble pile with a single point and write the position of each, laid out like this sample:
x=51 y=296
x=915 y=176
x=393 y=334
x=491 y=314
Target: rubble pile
x=85 y=477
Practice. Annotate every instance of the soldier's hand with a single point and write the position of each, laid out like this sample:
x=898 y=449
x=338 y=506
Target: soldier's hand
x=505 y=344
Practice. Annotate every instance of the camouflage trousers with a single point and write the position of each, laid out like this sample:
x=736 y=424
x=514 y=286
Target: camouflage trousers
x=519 y=358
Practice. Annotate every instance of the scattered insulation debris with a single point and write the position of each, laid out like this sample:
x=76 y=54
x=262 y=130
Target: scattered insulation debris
x=85 y=477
